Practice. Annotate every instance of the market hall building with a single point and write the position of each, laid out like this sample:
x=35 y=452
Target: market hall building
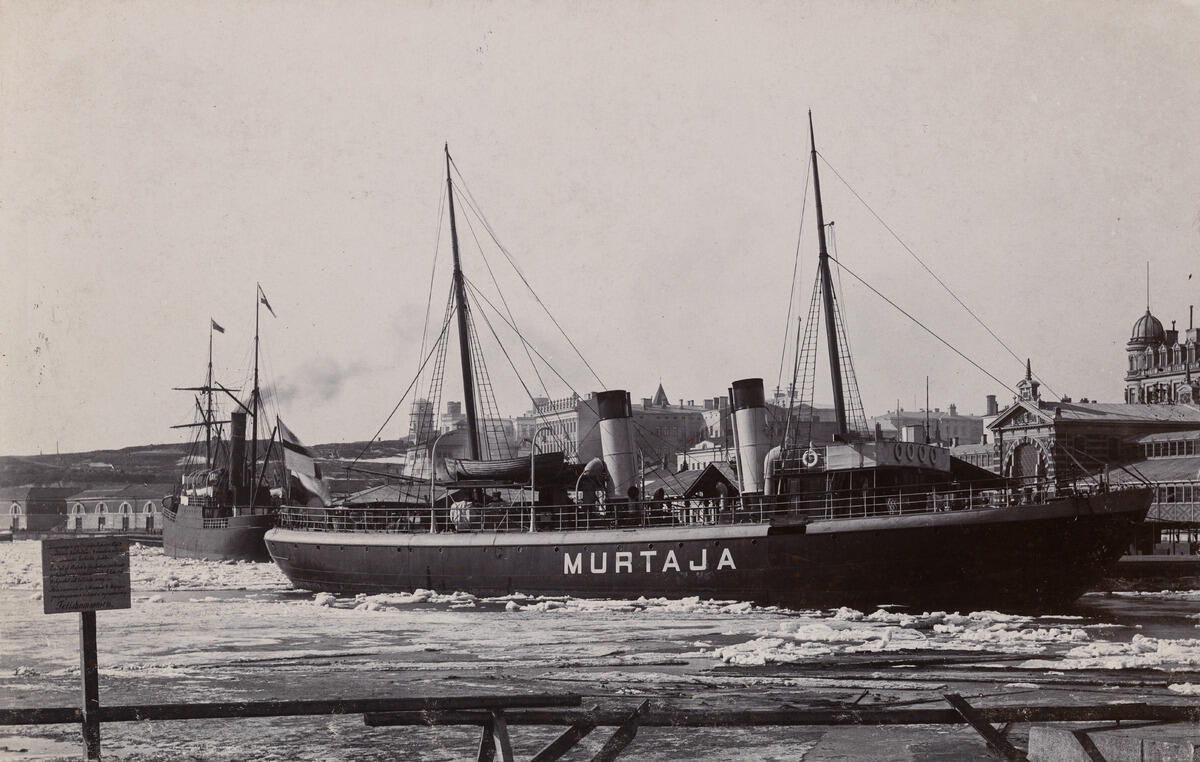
x=1154 y=436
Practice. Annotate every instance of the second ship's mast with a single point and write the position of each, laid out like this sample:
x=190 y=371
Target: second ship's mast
x=460 y=298
x=835 y=365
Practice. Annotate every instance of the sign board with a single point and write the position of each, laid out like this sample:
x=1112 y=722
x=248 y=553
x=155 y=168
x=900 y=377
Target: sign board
x=85 y=574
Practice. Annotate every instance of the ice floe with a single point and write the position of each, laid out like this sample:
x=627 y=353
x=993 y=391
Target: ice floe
x=1139 y=653
x=150 y=569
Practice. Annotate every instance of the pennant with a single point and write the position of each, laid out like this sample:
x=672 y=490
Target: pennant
x=262 y=297
x=216 y=326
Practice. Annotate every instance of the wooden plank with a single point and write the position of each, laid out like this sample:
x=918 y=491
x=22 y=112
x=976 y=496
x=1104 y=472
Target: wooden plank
x=996 y=742
x=623 y=736
x=54 y=715
x=564 y=743
x=671 y=717
x=204 y=711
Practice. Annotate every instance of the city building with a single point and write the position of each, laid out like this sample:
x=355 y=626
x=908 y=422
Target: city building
x=117 y=508
x=1163 y=366
x=35 y=510
x=948 y=427
x=1071 y=443
x=661 y=429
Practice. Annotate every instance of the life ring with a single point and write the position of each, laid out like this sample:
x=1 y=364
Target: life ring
x=810 y=458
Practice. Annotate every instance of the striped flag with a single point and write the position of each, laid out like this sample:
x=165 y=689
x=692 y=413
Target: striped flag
x=216 y=326
x=300 y=464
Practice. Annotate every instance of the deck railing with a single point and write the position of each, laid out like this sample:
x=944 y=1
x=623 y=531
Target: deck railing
x=496 y=517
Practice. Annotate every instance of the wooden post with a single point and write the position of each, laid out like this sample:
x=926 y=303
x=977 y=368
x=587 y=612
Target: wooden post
x=90 y=682
x=487 y=743
x=995 y=742
x=500 y=734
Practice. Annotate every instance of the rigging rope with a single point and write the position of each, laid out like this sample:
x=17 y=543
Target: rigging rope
x=918 y=322
x=787 y=325
x=470 y=201
x=921 y=262
x=437 y=244
x=411 y=384
x=503 y=301
x=541 y=415
x=521 y=336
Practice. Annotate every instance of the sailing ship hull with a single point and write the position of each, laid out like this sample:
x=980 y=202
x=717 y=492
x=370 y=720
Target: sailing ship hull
x=187 y=534
x=1032 y=557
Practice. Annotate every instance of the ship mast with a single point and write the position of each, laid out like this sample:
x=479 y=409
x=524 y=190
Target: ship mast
x=835 y=365
x=464 y=347
x=208 y=387
x=254 y=400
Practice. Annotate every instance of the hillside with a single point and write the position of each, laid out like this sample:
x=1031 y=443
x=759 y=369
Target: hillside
x=156 y=463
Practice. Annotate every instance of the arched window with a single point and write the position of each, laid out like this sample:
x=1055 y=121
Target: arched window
x=15 y=509
x=102 y=508
x=126 y=508
x=78 y=509
x=149 y=507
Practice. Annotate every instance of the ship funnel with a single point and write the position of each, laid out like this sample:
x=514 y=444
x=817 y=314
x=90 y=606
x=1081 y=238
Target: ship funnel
x=237 y=449
x=616 y=440
x=750 y=425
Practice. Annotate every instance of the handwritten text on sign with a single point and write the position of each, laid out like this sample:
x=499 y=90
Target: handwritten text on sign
x=85 y=574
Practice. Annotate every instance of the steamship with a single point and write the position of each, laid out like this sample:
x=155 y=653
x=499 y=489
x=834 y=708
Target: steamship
x=860 y=522
x=221 y=510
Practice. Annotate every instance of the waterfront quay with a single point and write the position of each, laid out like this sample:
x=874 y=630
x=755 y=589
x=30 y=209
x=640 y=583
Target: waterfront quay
x=202 y=631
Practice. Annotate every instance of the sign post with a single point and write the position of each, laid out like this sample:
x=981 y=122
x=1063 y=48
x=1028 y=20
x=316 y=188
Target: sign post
x=86 y=575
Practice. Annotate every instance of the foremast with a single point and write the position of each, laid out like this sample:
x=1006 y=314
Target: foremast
x=835 y=365
x=464 y=346
x=254 y=401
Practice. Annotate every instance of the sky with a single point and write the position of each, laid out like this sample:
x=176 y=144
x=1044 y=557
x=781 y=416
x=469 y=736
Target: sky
x=643 y=163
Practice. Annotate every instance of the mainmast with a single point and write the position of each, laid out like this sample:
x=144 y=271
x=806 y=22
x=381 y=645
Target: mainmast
x=208 y=387
x=464 y=347
x=254 y=400
x=835 y=365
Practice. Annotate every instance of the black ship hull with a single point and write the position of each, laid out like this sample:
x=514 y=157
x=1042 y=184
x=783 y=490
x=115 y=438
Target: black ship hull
x=1031 y=557
x=187 y=534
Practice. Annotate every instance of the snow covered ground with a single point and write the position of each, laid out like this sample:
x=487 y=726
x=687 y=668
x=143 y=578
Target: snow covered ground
x=205 y=631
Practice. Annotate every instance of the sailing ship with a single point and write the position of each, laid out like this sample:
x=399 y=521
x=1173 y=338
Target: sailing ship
x=862 y=521
x=221 y=510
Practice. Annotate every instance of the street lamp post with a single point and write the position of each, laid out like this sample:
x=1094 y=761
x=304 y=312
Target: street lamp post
x=432 y=475
x=532 y=488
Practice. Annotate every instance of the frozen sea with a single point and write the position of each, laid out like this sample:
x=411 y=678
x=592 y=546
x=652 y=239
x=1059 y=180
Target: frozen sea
x=206 y=631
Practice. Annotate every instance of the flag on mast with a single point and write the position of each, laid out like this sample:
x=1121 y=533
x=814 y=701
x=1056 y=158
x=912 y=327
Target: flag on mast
x=216 y=326
x=262 y=297
x=300 y=464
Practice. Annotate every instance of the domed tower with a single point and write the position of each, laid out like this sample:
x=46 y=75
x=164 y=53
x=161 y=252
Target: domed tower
x=1144 y=340
x=1147 y=332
